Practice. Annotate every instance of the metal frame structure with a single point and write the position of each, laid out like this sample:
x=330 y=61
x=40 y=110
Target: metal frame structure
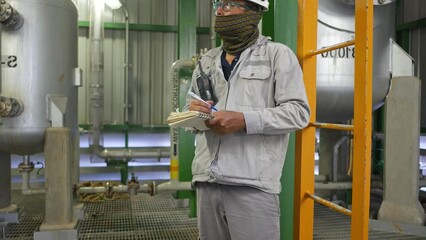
x=305 y=139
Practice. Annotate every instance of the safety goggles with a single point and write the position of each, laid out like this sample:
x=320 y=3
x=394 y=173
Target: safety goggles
x=228 y=5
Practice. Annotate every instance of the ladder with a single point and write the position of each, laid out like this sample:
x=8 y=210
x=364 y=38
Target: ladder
x=305 y=139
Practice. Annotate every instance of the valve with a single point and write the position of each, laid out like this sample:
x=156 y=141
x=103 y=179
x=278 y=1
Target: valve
x=133 y=185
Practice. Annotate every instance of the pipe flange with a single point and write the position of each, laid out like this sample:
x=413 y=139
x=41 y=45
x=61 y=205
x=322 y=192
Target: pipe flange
x=26 y=168
x=9 y=17
x=5 y=11
x=152 y=188
x=10 y=107
x=17 y=107
x=5 y=107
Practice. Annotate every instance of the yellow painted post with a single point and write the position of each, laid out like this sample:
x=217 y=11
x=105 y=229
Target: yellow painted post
x=362 y=119
x=305 y=139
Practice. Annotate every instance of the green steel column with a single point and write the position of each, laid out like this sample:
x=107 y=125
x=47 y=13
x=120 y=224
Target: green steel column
x=280 y=23
x=187 y=25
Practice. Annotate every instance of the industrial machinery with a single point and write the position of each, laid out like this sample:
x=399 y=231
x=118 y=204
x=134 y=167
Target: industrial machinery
x=335 y=69
x=38 y=89
x=39 y=80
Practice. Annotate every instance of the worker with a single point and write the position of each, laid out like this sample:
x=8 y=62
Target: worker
x=257 y=88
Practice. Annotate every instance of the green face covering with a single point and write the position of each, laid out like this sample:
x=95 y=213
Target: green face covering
x=238 y=31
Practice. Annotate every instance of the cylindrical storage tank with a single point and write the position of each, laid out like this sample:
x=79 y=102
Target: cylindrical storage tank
x=335 y=70
x=40 y=59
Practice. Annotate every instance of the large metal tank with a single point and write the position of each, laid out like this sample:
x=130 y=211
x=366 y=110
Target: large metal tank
x=39 y=60
x=335 y=70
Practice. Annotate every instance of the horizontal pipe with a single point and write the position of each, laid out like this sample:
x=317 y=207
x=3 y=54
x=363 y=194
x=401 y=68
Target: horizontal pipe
x=331 y=48
x=174 y=186
x=144 y=188
x=119 y=189
x=333 y=126
x=341 y=185
x=329 y=204
x=128 y=153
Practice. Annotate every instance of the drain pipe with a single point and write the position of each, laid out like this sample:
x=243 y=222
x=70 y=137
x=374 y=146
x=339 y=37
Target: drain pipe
x=26 y=167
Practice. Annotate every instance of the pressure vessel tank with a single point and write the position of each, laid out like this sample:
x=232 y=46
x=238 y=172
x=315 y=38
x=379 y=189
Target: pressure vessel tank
x=335 y=69
x=39 y=62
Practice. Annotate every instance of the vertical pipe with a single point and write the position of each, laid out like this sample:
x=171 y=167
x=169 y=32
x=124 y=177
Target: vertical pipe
x=126 y=63
x=26 y=175
x=96 y=70
x=5 y=180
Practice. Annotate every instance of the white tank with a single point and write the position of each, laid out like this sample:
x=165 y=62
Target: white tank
x=38 y=60
x=335 y=70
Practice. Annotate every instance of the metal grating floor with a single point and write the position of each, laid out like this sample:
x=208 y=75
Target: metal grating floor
x=139 y=217
x=157 y=218
x=31 y=215
x=329 y=225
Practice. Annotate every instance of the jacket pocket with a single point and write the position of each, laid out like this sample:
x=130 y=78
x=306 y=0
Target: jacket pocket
x=253 y=86
x=261 y=72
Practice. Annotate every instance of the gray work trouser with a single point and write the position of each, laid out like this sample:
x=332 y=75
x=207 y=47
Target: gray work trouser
x=237 y=212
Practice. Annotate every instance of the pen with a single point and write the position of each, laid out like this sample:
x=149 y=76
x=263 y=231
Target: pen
x=195 y=96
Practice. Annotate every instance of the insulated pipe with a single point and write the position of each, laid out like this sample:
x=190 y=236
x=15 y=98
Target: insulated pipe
x=144 y=188
x=131 y=153
x=96 y=71
x=174 y=133
x=174 y=186
x=126 y=63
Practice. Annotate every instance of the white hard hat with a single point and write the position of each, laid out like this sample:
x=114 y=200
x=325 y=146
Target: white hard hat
x=263 y=3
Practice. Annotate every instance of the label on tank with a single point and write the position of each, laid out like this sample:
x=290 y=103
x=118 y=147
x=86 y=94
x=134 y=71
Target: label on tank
x=9 y=61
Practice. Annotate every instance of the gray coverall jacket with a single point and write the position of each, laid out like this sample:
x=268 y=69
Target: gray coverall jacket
x=267 y=86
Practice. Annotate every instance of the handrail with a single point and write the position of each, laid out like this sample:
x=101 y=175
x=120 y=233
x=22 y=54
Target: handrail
x=305 y=139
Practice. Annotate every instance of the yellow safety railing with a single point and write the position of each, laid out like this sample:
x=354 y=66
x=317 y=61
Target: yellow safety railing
x=305 y=139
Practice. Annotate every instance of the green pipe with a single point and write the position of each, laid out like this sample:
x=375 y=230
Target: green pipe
x=187 y=47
